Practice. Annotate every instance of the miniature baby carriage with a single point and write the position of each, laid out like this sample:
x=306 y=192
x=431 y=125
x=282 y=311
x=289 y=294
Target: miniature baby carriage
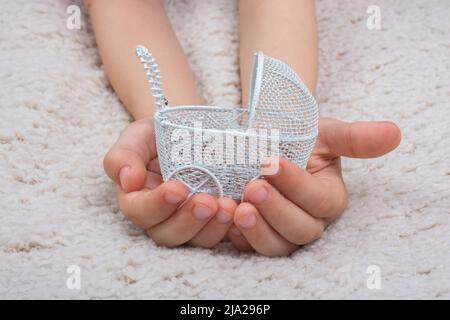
x=218 y=150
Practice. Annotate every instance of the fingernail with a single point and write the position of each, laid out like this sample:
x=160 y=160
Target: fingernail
x=247 y=221
x=224 y=217
x=173 y=198
x=234 y=230
x=258 y=195
x=123 y=175
x=202 y=212
x=271 y=167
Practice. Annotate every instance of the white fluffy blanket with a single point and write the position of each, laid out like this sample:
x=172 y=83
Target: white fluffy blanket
x=58 y=117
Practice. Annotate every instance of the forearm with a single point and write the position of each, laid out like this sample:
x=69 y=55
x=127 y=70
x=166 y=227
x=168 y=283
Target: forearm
x=285 y=30
x=119 y=26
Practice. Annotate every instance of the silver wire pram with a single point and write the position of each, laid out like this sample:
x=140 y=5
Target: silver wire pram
x=218 y=150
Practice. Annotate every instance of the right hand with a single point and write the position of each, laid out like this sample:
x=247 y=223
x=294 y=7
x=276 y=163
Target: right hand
x=158 y=206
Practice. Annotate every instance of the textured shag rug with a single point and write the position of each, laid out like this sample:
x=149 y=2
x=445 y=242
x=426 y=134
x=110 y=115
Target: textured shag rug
x=58 y=117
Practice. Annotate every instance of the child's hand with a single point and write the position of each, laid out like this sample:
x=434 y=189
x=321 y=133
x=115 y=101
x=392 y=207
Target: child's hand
x=294 y=206
x=154 y=205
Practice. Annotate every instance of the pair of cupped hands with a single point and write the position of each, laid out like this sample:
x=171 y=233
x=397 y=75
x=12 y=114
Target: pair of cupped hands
x=279 y=213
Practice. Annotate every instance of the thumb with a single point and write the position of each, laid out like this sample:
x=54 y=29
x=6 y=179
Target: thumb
x=125 y=168
x=126 y=162
x=362 y=139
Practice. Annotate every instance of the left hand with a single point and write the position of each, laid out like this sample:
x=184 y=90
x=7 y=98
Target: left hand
x=294 y=206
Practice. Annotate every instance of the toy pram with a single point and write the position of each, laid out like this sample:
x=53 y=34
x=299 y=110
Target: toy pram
x=218 y=150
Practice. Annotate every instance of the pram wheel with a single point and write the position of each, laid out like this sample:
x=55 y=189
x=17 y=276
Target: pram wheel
x=197 y=179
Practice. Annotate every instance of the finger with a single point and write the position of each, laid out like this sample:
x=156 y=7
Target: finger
x=322 y=195
x=259 y=234
x=358 y=139
x=150 y=207
x=238 y=240
x=126 y=162
x=153 y=180
x=154 y=166
x=217 y=228
x=289 y=220
x=185 y=223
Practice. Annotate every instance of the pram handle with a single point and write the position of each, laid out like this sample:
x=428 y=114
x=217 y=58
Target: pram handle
x=153 y=75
